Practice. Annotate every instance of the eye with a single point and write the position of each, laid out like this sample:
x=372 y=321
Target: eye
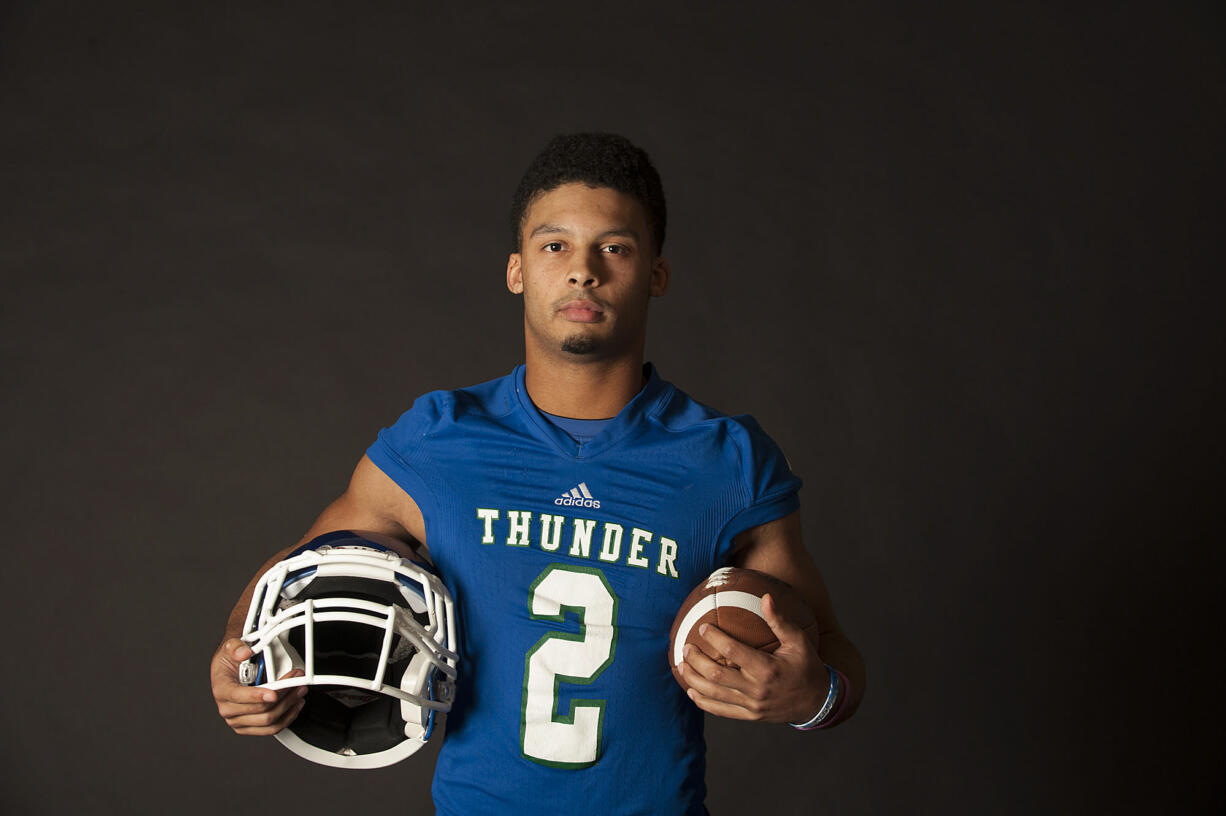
x=553 y=246
x=616 y=249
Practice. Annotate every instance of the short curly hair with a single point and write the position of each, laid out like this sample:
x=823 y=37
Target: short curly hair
x=598 y=160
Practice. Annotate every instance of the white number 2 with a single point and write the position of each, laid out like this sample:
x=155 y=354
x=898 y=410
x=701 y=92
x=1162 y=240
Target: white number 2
x=570 y=740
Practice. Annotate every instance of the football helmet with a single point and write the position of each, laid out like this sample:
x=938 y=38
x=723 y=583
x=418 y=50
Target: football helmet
x=374 y=634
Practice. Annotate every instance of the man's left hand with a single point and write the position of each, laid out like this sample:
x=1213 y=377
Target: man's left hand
x=788 y=685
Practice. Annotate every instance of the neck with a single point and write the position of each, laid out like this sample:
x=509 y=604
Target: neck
x=582 y=389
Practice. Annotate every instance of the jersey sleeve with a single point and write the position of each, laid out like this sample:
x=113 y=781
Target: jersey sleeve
x=770 y=487
x=400 y=452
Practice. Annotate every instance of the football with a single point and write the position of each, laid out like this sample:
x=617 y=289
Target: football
x=731 y=598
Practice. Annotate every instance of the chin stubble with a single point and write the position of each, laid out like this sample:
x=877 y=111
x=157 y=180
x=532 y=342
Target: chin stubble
x=578 y=344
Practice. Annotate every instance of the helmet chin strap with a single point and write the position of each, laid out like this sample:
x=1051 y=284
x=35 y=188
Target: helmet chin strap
x=414 y=678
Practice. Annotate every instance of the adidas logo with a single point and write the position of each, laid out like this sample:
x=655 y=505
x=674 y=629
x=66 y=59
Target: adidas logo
x=578 y=496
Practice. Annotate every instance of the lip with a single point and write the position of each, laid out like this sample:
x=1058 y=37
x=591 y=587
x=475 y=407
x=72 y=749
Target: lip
x=581 y=311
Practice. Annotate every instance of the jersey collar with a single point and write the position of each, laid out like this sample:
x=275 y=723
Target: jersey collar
x=629 y=420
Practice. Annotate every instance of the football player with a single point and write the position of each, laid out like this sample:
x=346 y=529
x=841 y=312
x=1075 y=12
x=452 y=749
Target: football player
x=570 y=507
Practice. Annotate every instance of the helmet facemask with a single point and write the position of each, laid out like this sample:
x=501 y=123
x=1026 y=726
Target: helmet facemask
x=374 y=634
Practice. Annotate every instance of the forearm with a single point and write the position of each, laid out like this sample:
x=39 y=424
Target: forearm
x=842 y=655
x=776 y=549
x=372 y=506
x=238 y=615
x=343 y=514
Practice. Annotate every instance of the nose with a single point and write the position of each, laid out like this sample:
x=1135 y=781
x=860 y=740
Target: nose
x=584 y=271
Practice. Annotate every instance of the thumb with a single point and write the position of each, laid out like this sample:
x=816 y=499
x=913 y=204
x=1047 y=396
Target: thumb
x=236 y=649
x=786 y=633
x=225 y=662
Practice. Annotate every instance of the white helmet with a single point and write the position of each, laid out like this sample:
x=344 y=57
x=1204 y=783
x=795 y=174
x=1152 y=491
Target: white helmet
x=374 y=633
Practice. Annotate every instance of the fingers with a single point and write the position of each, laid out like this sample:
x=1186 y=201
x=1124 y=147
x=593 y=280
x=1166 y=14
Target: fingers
x=744 y=691
x=701 y=668
x=724 y=690
x=238 y=699
x=236 y=696
x=713 y=697
x=720 y=708
x=751 y=660
x=765 y=686
x=253 y=710
x=276 y=718
x=269 y=715
x=224 y=674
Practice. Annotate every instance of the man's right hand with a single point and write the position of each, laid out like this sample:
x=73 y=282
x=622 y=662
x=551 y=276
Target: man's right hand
x=251 y=710
x=372 y=503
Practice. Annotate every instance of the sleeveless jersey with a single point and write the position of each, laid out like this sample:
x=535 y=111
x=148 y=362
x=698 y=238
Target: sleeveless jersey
x=568 y=562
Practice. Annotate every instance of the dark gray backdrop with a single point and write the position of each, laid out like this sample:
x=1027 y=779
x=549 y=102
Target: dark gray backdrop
x=960 y=260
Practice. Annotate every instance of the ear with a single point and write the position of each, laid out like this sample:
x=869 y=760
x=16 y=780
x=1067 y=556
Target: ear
x=515 y=274
x=660 y=276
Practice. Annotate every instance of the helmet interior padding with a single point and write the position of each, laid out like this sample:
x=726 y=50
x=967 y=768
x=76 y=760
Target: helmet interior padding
x=345 y=719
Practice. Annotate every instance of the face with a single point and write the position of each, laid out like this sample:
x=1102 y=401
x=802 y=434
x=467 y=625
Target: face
x=587 y=269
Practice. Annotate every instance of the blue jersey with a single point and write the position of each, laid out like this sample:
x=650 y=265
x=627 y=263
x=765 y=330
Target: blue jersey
x=568 y=561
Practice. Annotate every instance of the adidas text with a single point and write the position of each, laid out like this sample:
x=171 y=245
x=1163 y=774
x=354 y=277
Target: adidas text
x=571 y=501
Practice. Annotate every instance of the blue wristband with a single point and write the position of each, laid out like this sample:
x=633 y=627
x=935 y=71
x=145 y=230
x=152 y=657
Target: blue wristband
x=832 y=697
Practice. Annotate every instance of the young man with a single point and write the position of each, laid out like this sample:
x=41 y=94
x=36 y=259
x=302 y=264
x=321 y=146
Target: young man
x=570 y=507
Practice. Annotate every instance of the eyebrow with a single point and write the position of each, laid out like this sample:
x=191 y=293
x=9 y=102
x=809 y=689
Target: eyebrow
x=551 y=229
